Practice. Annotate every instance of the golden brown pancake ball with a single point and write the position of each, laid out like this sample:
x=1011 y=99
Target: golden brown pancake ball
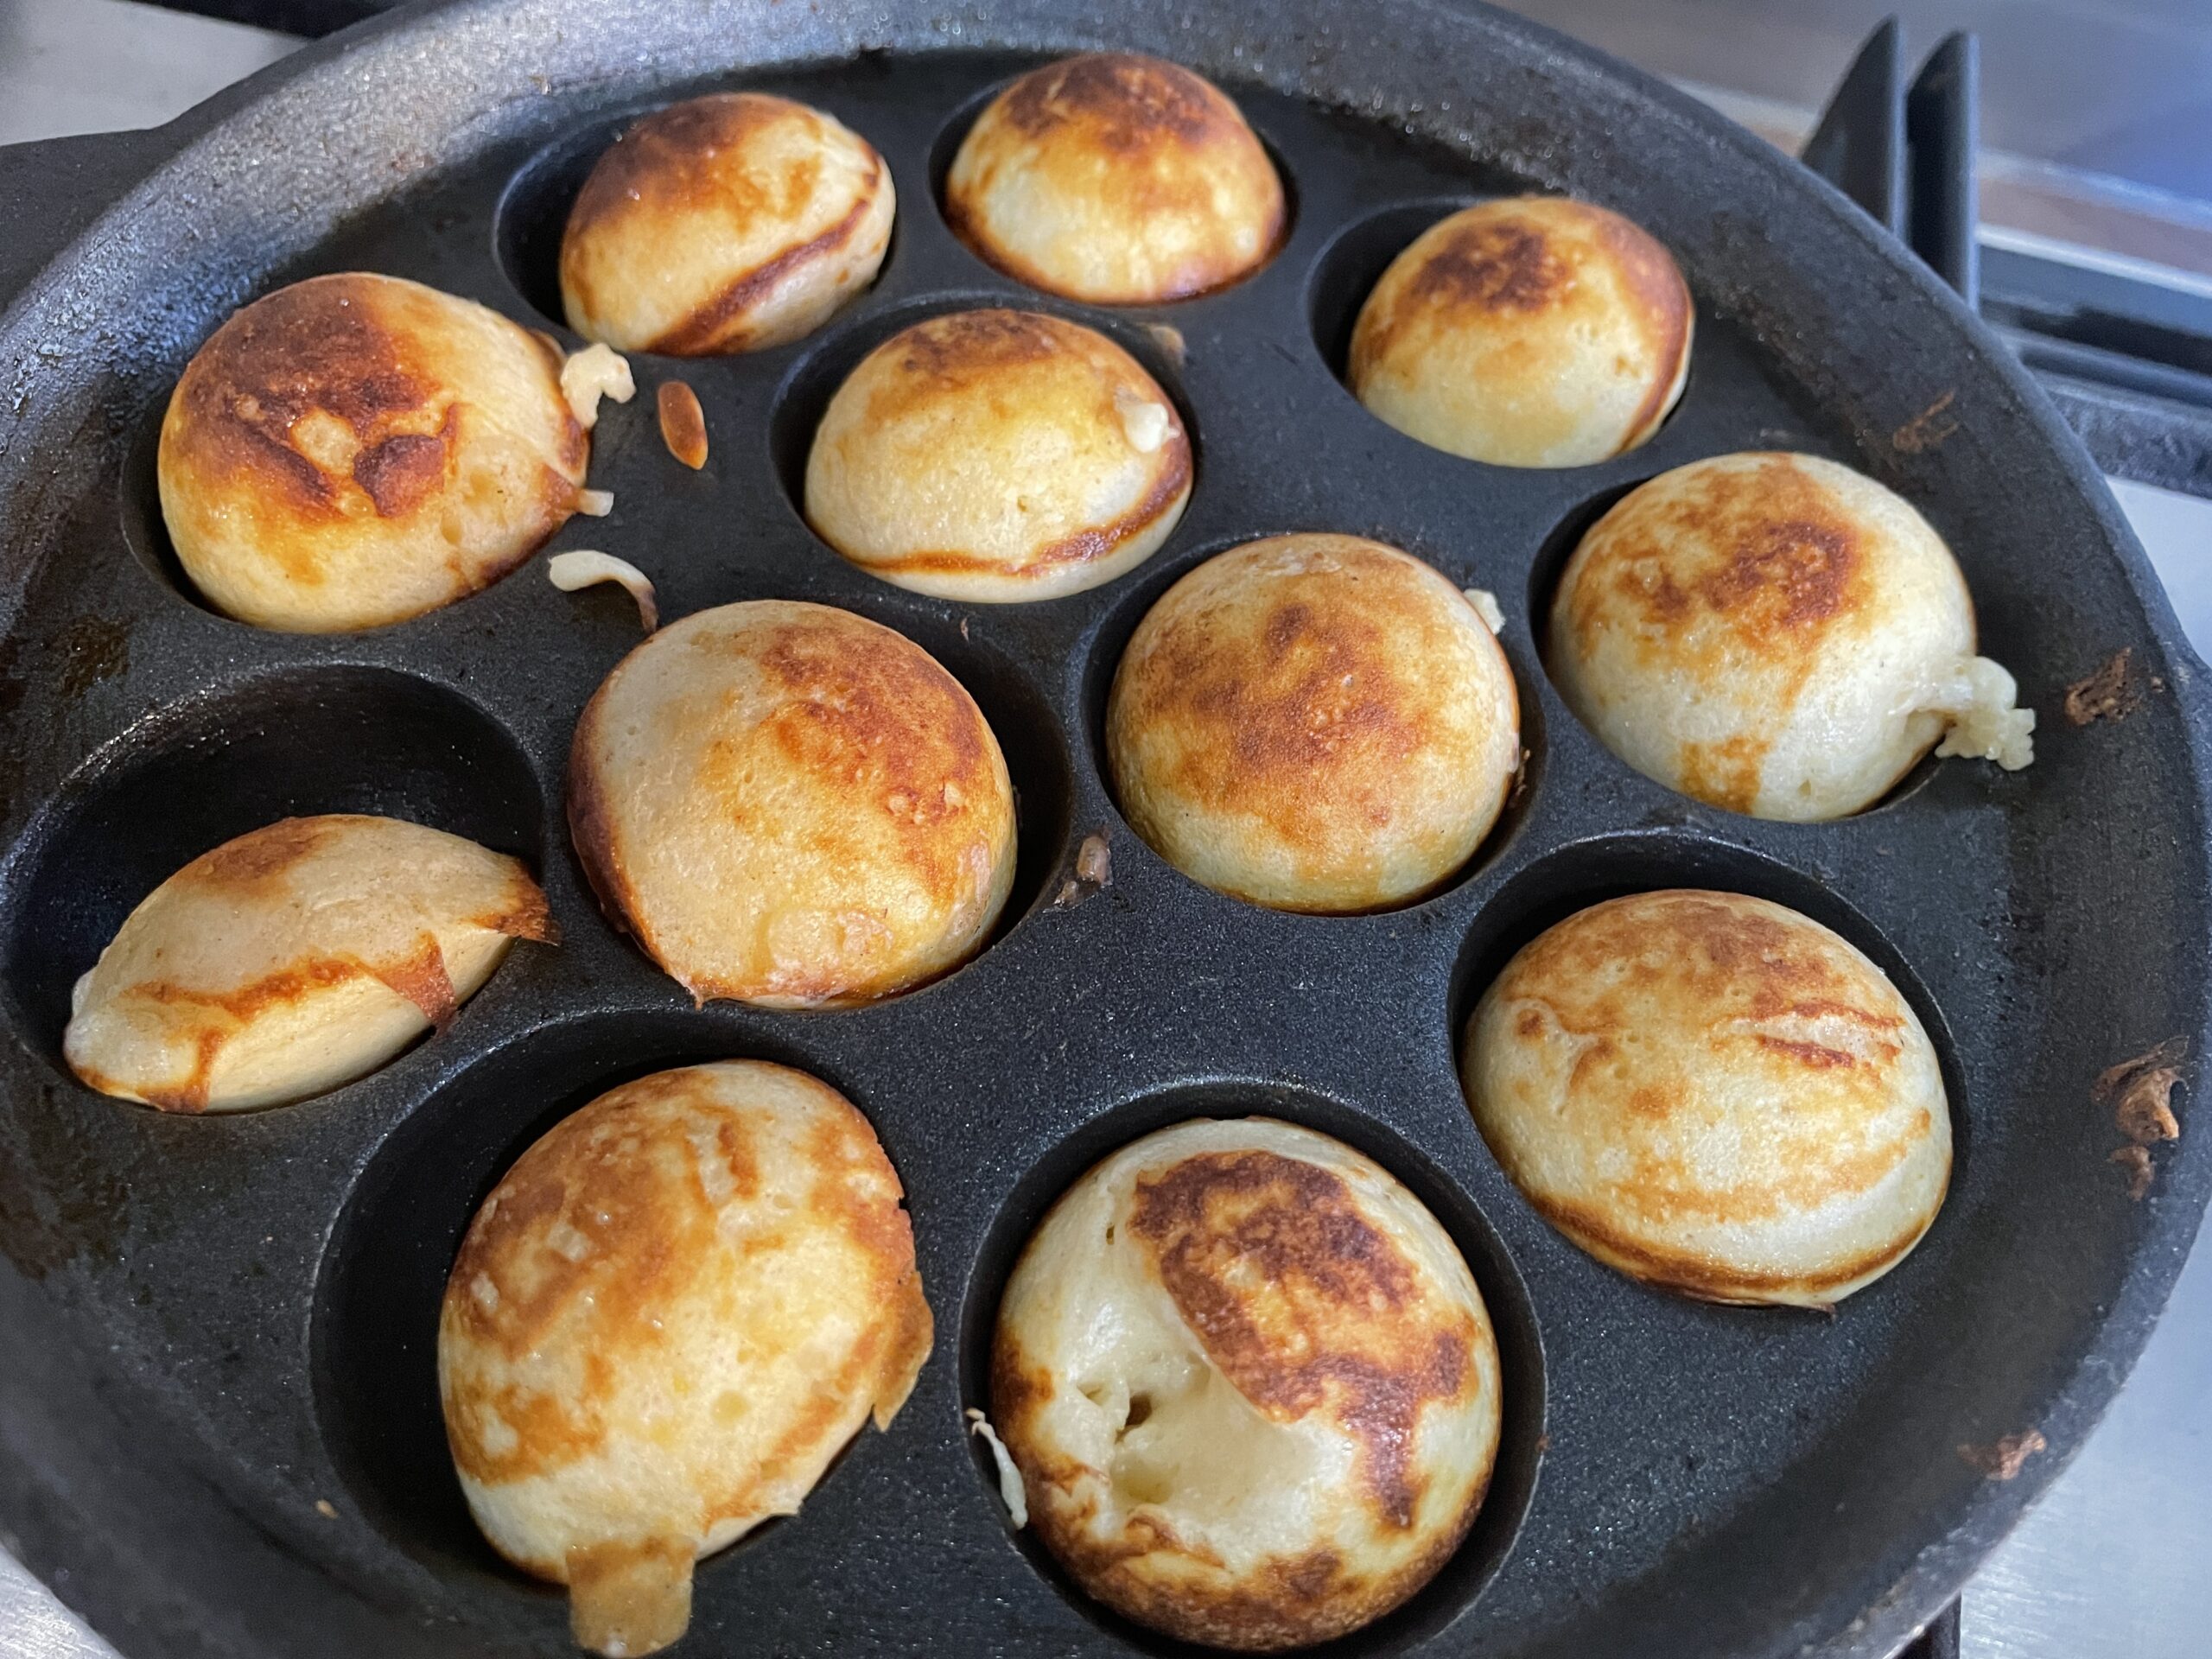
x=1528 y=332
x=1715 y=1095
x=1778 y=635
x=354 y=450
x=729 y=223
x=790 y=806
x=1315 y=722
x=1115 y=179
x=1250 y=1385
x=665 y=1321
x=293 y=959
x=998 y=456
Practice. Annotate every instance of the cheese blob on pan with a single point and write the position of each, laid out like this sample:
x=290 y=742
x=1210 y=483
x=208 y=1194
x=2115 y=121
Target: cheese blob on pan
x=790 y=806
x=294 y=959
x=666 y=1320
x=1526 y=331
x=997 y=456
x=729 y=223
x=1715 y=1095
x=354 y=450
x=1778 y=635
x=1249 y=1384
x=1118 y=179
x=1315 y=722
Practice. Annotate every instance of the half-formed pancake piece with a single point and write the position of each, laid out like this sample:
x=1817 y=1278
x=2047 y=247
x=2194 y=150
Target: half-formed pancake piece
x=1315 y=722
x=1715 y=1095
x=1249 y=1384
x=293 y=959
x=997 y=456
x=1115 y=179
x=728 y=223
x=1778 y=635
x=665 y=1321
x=1531 y=330
x=790 y=806
x=354 y=450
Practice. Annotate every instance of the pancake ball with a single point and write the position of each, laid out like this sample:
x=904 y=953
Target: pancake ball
x=790 y=805
x=666 y=1320
x=729 y=223
x=1314 y=724
x=1118 y=179
x=1714 y=1095
x=354 y=450
x=294 y=959
x=1528 y=332
x=998 y=456
x=1250 y=1385
x=1777 y=634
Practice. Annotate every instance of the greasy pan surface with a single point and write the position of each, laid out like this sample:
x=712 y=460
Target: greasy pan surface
x=218 y=1423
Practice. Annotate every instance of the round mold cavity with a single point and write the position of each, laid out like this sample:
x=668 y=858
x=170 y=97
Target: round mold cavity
x=945 y=147
x=1544 y=575
x=191 y=777
x=374 y=1359
x=1447 y=1596
x=805 y=395
x=1028 y=735
x=1135 y=594
x=1346 y=271
x=1587 y=872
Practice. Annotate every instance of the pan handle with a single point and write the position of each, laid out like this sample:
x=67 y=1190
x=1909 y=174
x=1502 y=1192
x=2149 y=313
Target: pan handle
x=51 y=190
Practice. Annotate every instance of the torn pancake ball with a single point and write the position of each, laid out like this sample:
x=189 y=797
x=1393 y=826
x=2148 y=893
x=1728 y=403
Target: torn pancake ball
x=1115 y=179
x=1249 y=1384
x=665 y=1321
x=729 y=223
x=293 y=959
x=998 y=456
x=1777 y=635
x=790 y=806
x=1532 y=331
x=1714 y=1095
x=1315 y=722
x=354 y=450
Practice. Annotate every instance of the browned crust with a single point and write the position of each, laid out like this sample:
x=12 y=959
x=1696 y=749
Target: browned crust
x=1714 y=1281
x=1663 y=311
x=591 y=828
x=1136 y=108
x=703 y=331
x=682 y=422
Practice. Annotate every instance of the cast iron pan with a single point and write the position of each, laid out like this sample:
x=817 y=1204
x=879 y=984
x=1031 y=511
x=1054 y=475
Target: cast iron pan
x=219 y=1433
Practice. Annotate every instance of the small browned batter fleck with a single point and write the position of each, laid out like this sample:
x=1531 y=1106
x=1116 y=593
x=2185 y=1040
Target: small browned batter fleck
x=2106 y=693
x=2002 y=1459
x=683 y=423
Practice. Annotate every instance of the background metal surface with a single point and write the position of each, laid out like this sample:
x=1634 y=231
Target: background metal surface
x=1522 y=662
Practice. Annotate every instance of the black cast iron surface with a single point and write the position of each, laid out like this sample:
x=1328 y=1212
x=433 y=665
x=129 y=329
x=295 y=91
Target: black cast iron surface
x=219 y=1431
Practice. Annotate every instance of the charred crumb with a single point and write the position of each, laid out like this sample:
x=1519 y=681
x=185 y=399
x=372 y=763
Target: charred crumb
x=2107 y=694
x=1543 y=1444
x=2003 y=1460
x=1093 y=872
x=1926 y=431
x=1170 y=340
x=2136 y=1160
x=2140 y=1092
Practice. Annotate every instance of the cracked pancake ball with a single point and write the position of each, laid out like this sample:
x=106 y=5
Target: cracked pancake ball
x=1249 y=1384
x=293 y=959
x=723 y=224
x=354 y=450
x=790 y=806
x=664 y=1323
x=1777 y=635
x=1714 y=1095
x=1115 y=179
x=1531 y=331
x=998 y=456
x=1315 y=722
